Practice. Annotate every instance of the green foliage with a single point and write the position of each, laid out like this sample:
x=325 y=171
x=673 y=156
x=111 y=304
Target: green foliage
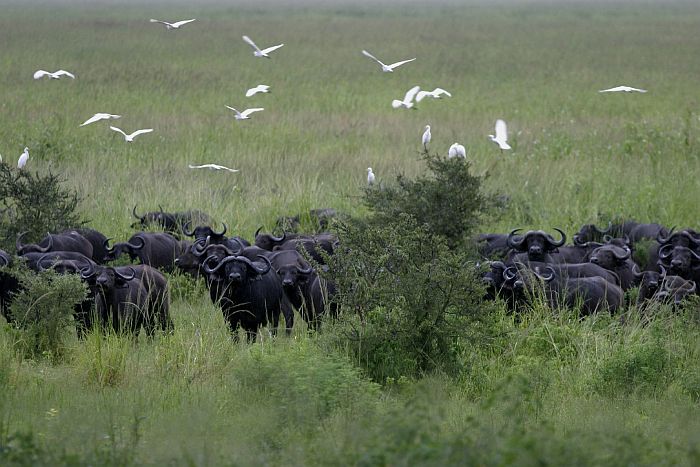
x=42 y=312
x=448 y=199
x=34 y=203
x=406 y=299
x=102 y=360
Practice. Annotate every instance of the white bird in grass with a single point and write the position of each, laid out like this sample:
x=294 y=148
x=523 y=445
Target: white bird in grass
x=407 y=100
x=130 y=138
x=244 y=115
x=99 y=116
x=623 y=89
x=176 y=25
x=386 y=68
x=457 y=150
x=435 y=94
x=22 y=161
x=259 y=88
x=370 y=176
x=426 y=137
x=261 y=53
x=55 y=75
x=501 y=138
x=212 y=166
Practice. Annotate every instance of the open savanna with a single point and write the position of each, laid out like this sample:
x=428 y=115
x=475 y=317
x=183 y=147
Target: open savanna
x=542 y=390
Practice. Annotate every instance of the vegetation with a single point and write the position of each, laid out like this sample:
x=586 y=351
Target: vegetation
x=539 y=388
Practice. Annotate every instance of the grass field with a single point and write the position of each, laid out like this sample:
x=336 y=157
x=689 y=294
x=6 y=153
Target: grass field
x=547 y=390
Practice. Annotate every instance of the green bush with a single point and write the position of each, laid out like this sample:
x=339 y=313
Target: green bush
x=42 y=312
x=34 y=203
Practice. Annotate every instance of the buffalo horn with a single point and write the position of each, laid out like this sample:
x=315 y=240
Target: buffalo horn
x=560 y=242
x=257 y=269
x=222 y=233
x=257 y=232
x=87 y=272
x=189 y=233
x=308 y=270
x=664 y=240
x=512 y=242
x=105 y=244
x=665 y=251
x=18 y=242
x=133 y=211
x=546 y=278
x=206 y=262
x=135 y=246
x=627 y=254
x=509 y=273
x=123 y=277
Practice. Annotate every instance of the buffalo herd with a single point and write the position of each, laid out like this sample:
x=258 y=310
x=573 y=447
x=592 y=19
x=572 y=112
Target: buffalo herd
x=256 y=284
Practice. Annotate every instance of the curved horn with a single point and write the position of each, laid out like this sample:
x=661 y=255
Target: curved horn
x=209 y=270
x=510 y=273
x=18 y=242
x=87 y=272
x=636 y=272
x=41 y=260
x=605 y=231
x=546 y=278
x=247 y=261
x=560 y=242
x=240 y=244
x=105 y=244
x=4 y=261
x=122 y=276
x=161 y=209
x=663 y=251
x=279 y=239
x=308 y=270
x=664 y=240
x=189 y=233
x=627 y=254
x=133 y=211
x=49 y=245
x=199 y=247
x=512 y=242
x=693 y=288
x=607 y=238
x=663 y=271
x=695 y=255
x=257 y=232
x=222 y=233
x=135 y=246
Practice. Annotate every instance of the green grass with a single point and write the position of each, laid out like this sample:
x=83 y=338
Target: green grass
x=547 y=389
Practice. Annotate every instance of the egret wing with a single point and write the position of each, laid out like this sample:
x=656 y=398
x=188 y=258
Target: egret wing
x=140 y=132
x=247 y=112
x=118 y=130
x=411 y=94
x=398 y=64
x=94 y=119
x=180 y=23
x=64 y=73
x=251 y=43
x=421 y=95
x=501 y=130
x=396 y=103
x=438 y=91
x=271 y=49
x=367 y=54
x=40 y=74
x=159 y=21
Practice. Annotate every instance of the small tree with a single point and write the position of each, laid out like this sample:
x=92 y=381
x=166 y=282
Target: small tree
x=34 y=203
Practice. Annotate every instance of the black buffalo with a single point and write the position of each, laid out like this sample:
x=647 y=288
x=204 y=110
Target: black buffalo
x=617 y=259
x=299 y=281
x=249 y=293
x=492 y=246
x=69 y=241
x=156 y=249
x=9 y=285
x=317 y=247
x=536 y=243
x=169 y=221
x=681 y=261
x=591 y=233
x=97 y=240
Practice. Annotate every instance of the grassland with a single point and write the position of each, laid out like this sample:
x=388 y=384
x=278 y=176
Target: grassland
x=545 y=390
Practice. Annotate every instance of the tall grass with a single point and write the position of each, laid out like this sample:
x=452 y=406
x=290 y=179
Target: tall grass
x=539 y=388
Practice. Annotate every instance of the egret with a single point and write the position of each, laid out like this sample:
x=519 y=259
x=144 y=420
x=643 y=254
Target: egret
x=370 y=176
x=55 y=75
x=407 y=100
x=244 y=115
x=212 y=166
x=22 y=161
x=435 y=94
x=623 y=89
x=426 y=137
x=99 y=116
x=130 y=138
x=457 y=150
x=261 y=53
x=259 y=88
x=386 y=68
x=501 y=138
x=169 y=26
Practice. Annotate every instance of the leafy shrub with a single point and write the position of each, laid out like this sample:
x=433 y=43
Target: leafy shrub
x=448 y=200
x=34 y=203
x=42 y=311
x=406 y=299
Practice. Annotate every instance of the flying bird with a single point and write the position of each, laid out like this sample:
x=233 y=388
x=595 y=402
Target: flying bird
x=457 y=150
x=245 y=114
x=370 y=176
x=426 y=137
x=407 y=101
x=386 y=68
x=169 y=26
x=130 y=138
x=261 y=53
x=99 y=116
x=623 y=89
x=22 y=161
x=259 y=88
x=435 y=94
x=212 y=166
x=501 y=138
x=55 y=75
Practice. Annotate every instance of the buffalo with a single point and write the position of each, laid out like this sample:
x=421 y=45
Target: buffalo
x=97 y=240
x=69 y=241
x=169 y=221
x=156 y=249
x=681 y=261
x=9 y=285
x=536 y=243
x=617 y=259
x=493 y=245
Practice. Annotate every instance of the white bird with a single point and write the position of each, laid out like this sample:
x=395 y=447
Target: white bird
x=501 y=138
x=172 y=25
x=130 y=138
x=99 y=116
x=55 y=75
x=407 y=100
x=426 y=137
x=457 y=150
x=623 y=89
x=370 y=176
x=435 y=94
x=244 y=115
x=259 y=88
x=22 y=161
x=212 y=166
x=386 y=68
x=261 y=53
